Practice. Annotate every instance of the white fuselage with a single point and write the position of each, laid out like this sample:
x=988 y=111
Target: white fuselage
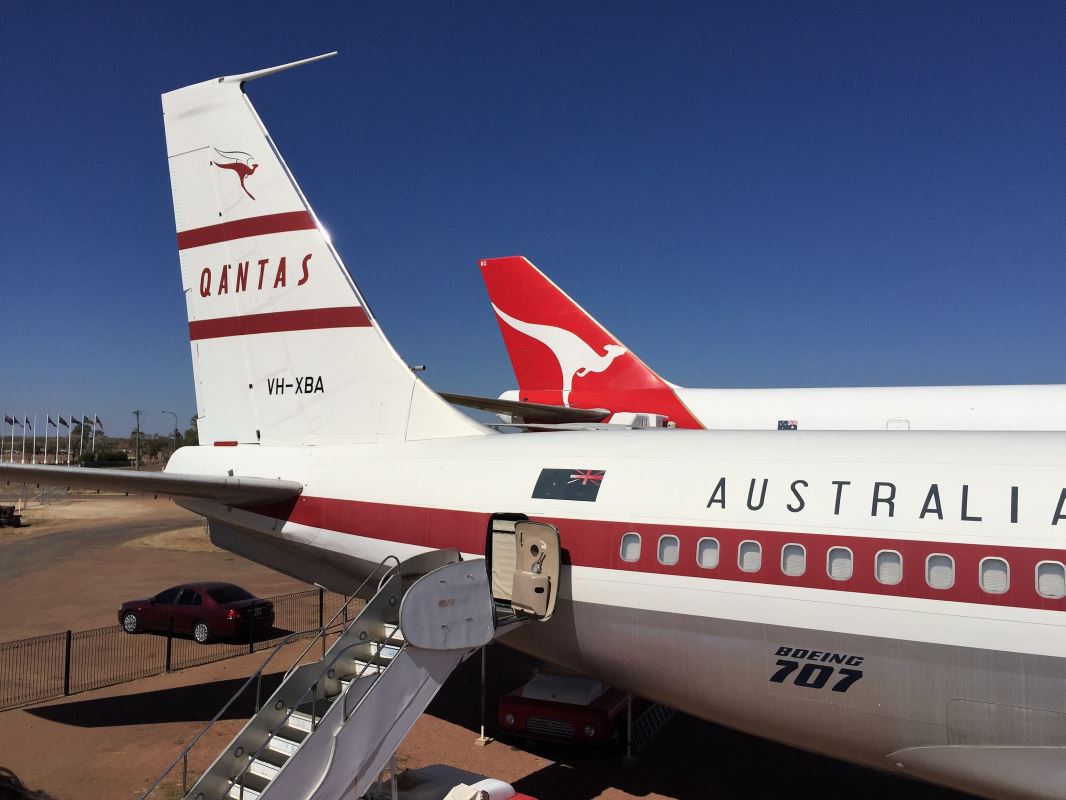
x=928 y=408
x=707 y=632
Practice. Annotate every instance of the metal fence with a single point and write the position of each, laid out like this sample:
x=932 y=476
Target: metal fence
x=58 y=664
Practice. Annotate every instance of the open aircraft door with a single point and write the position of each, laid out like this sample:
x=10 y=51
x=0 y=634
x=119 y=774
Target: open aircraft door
x=525 y=566
x=536 y=577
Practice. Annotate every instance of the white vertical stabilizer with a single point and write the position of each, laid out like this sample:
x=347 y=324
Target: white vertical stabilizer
x=284 y=349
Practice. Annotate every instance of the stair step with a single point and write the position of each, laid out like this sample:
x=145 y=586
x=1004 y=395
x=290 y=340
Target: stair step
x=287 y=740
x=384 y=652
x=273 y=757
x=301 y=721
x=363 y=669
x=319 y=706
x=249 y=793
x=394 y=634
x=264 y=769
x=254 y=785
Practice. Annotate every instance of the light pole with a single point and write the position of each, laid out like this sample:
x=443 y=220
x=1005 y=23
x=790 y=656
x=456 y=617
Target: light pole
x=137 y=452
x=175 y=428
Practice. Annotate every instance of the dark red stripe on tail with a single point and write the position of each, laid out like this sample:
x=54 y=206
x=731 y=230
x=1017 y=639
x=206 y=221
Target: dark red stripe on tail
x=305 y=320
x=243 y=228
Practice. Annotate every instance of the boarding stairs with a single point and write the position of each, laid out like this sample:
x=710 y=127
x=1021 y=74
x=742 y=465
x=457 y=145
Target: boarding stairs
x=331 y=726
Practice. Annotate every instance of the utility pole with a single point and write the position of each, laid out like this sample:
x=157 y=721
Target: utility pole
x=137 y=453
x=175 y=428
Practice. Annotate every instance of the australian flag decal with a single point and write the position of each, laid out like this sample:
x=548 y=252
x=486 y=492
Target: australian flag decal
x=569 y=484
x=788 y=424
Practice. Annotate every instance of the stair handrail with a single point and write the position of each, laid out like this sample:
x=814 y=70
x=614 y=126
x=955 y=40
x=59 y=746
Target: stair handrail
x=344 y=607
x=312 y=690
x=321 y=631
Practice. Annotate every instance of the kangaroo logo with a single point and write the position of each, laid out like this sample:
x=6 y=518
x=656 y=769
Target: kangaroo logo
x=575 y=357
x=242 y=165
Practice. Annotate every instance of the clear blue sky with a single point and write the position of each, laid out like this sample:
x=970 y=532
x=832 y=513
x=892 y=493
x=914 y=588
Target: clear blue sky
x=748 y=194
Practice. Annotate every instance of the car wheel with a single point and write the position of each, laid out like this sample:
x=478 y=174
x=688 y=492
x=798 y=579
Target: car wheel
x=201 y=633
x=130 y=623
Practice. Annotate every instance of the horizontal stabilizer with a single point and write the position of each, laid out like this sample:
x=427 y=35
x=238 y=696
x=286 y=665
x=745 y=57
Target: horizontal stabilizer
x=218 y=488
x=528 y=412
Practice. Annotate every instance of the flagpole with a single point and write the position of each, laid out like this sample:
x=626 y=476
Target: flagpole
x=33 y=455
x=70 y=433
x=45 y=437
x=25 y=419
x=94 y=433
x=81 y=437
x=57 y=441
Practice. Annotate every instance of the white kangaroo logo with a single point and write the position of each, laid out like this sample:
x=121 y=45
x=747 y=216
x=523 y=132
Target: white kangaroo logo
x=574 y=356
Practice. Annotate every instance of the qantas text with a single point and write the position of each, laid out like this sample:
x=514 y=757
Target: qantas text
x=879 y=498
x=249 y=276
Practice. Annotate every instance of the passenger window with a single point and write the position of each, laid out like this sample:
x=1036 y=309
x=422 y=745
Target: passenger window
x=669 y=550
x=749 y=556
x=168 y=597
x=197 y=600
x=995 y=575
x=940 y=571
x=630 y=550
x=838 y=563
x=889 y=567
x=186 y=597
x=707 y=553
x=793 y=560
x=1051 y=579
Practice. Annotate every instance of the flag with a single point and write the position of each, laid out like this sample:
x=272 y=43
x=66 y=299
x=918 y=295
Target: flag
x=8 y=420
x=50 y=422
x=569 y=484
x=63 y=422
x=28 y=425
x=98 y=422
x=788 y=424
x=15 y=421
x=86 y=421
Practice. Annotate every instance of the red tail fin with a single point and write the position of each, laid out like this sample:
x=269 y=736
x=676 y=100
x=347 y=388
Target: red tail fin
x=562 y=355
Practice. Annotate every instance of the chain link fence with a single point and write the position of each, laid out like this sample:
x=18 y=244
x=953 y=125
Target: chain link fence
x=58 y=664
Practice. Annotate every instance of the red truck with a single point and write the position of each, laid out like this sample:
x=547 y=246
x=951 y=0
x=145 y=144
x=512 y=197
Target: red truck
x=561 y=706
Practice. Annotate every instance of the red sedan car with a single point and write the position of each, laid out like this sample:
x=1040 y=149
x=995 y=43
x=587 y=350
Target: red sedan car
x=559 y=706
x=206 y=610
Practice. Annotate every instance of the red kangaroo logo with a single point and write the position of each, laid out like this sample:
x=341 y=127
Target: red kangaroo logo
x=241 y=163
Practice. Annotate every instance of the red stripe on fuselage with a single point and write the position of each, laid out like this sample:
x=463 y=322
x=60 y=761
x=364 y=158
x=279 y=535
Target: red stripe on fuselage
x=595 y=543
x=274 y=322
x=243 y=228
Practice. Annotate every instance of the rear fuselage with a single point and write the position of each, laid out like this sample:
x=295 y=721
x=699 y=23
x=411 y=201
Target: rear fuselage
x=855 y=594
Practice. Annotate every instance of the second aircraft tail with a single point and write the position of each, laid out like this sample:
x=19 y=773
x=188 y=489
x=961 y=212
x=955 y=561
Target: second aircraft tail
x=562 y=355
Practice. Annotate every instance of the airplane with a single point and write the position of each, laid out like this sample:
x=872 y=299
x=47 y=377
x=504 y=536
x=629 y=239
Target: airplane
x=571 y=369
x=894 y=601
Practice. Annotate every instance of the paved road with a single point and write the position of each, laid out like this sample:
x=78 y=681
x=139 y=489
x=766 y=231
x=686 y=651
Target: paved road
x=22 y=556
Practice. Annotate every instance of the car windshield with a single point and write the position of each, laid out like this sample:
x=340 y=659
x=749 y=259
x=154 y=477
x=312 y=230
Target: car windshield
x=229 y=594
